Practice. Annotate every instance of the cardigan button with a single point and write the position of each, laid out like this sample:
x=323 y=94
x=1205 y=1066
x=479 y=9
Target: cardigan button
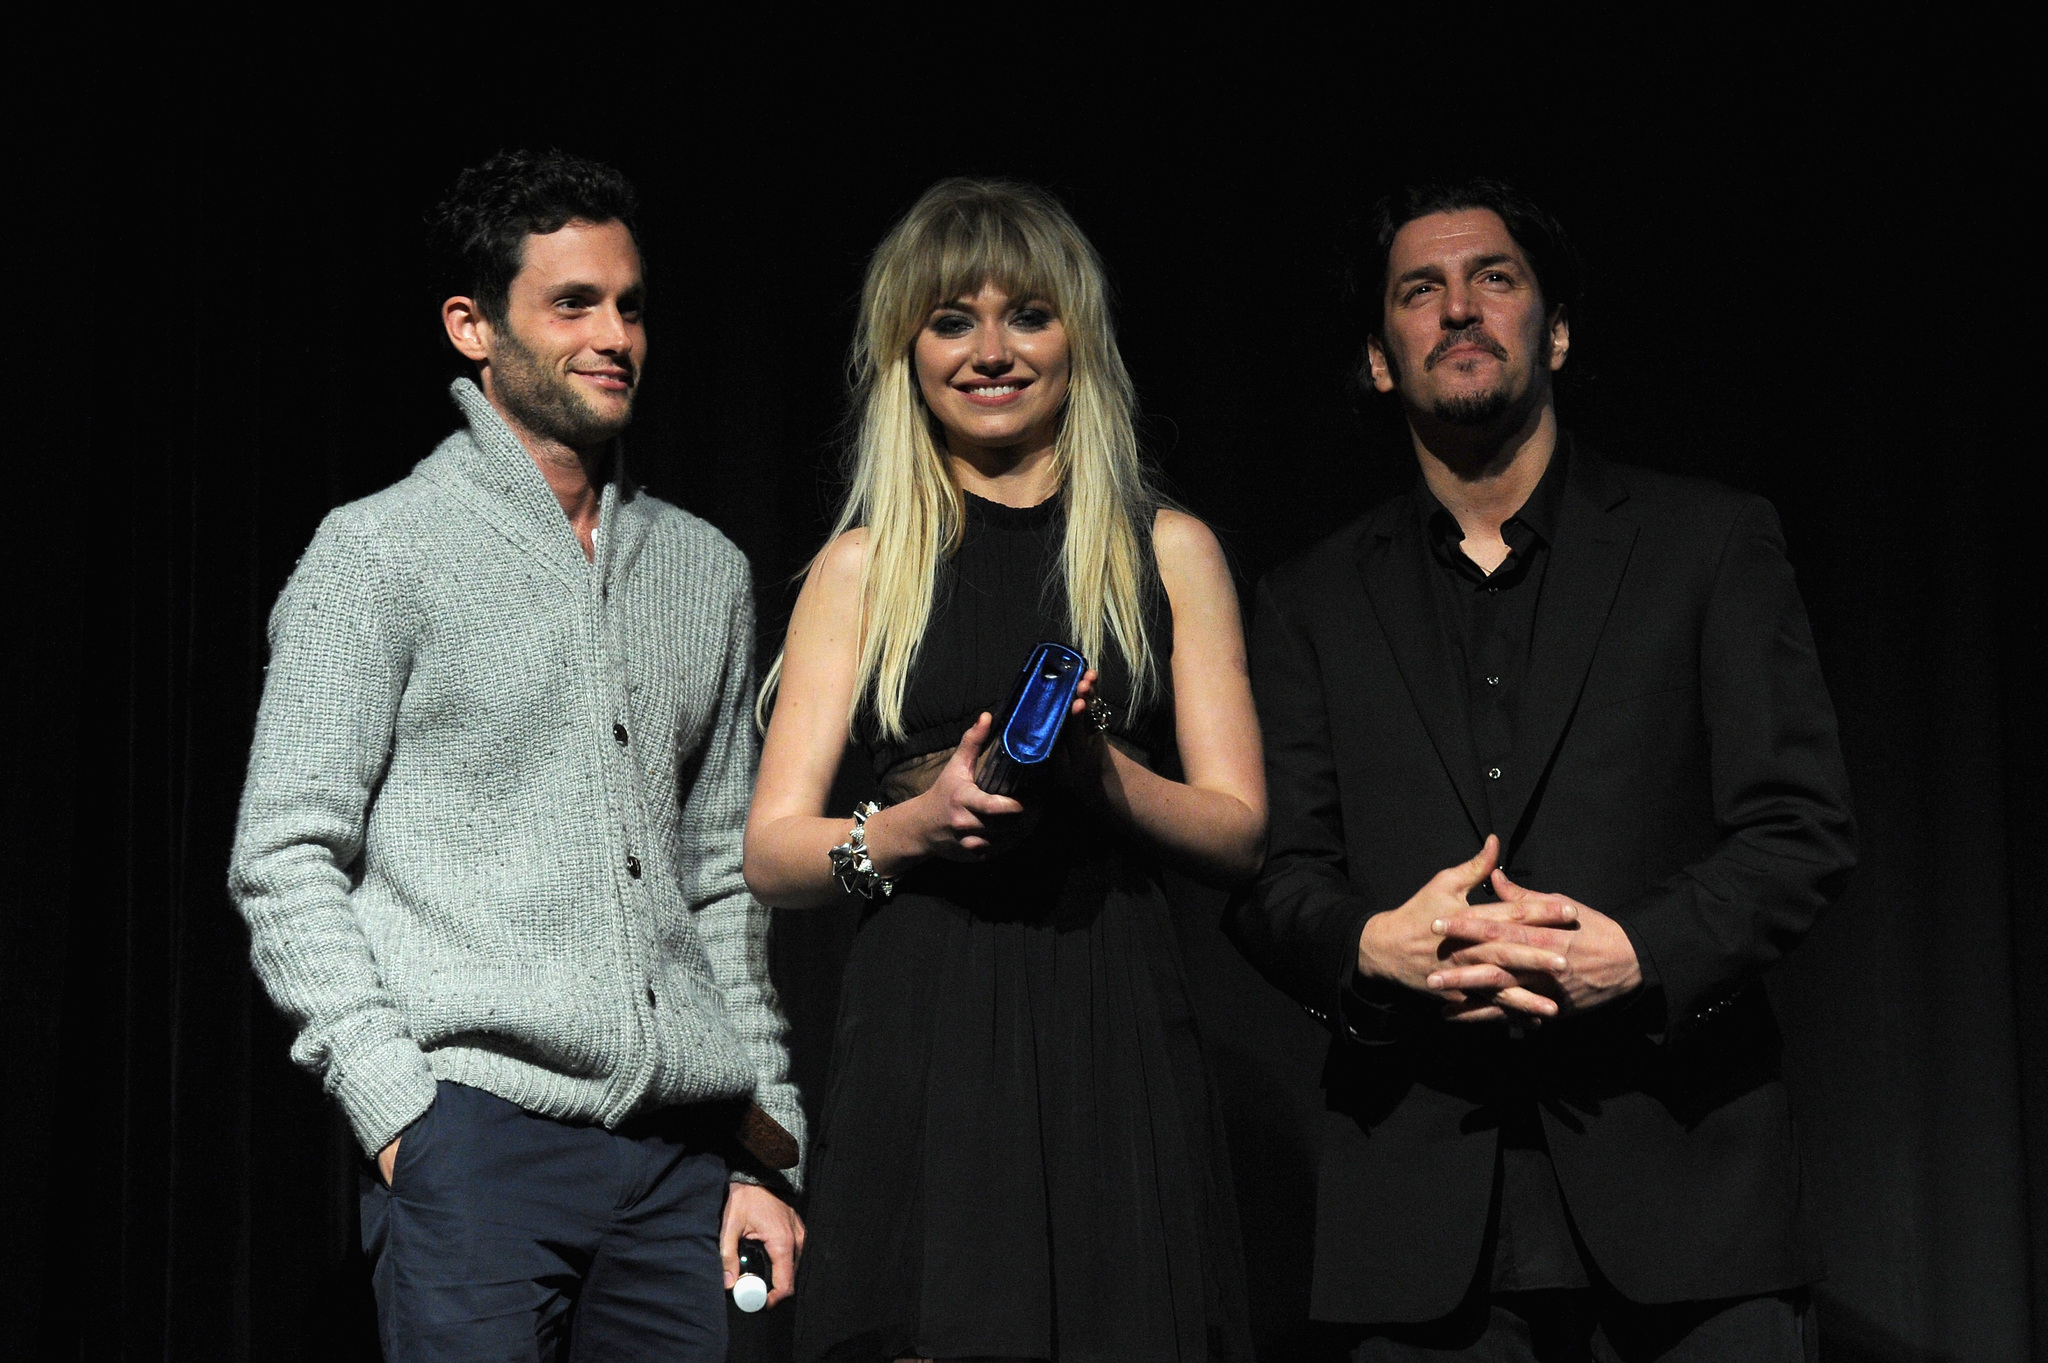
x=633 y=867
x=619 y=732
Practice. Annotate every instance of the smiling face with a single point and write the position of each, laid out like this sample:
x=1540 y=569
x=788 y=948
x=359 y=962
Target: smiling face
x=565 y=360
x=993 y=370
x=1466 y=337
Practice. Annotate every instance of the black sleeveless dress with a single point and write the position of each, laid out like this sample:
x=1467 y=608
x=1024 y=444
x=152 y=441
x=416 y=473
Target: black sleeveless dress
x=1020 y=1154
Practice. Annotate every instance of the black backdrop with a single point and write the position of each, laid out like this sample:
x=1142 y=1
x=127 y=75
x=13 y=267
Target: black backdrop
x=1796 y=275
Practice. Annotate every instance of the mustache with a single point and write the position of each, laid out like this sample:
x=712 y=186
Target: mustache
x=1472 y=335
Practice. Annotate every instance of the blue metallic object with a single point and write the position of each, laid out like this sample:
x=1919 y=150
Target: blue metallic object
x=1029 y=726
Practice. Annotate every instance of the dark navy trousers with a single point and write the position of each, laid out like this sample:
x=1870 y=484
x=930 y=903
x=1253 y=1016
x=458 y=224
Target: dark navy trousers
x=510 y=1238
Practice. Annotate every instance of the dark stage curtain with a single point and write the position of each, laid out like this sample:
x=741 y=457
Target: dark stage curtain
x=239 y=337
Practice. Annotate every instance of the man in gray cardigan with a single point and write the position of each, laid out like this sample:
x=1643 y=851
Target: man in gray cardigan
x=489 y=848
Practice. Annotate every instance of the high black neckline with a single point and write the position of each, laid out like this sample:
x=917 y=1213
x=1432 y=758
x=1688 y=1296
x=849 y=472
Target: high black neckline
x=986 y=512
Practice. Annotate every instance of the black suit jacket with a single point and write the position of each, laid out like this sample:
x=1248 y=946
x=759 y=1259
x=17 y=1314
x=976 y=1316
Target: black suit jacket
x=1676 y=767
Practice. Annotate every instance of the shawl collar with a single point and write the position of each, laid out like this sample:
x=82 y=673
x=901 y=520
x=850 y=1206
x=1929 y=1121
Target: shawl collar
x=492 y=472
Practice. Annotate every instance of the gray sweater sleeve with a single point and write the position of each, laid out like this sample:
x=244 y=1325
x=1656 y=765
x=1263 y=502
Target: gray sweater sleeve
x=338 y=666
x=732 y=925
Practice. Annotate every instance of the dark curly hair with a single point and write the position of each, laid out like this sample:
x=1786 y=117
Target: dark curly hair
x=479 y=229
x=1559 y=274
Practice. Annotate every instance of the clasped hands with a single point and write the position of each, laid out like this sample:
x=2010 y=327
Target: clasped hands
x=1531 y=955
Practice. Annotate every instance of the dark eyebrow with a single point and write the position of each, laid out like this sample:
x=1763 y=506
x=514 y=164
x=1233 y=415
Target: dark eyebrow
x=1435 y=272
x=580 y=289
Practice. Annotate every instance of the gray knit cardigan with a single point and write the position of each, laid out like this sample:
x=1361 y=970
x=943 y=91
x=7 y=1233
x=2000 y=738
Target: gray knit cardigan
x=492 y=826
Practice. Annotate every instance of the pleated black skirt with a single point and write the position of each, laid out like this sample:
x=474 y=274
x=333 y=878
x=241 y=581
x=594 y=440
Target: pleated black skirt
x=1020 y=1153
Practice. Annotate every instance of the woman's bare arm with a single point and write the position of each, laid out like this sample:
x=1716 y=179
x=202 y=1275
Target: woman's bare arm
x=1214 y=823
x=789 y=832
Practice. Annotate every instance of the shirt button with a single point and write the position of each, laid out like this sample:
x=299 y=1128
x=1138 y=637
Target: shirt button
x=633 y=863
x=619 y=732
x=1492 y=774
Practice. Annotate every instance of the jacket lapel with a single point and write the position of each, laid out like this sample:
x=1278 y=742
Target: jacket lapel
x=1391 y=559
x=1594 y=540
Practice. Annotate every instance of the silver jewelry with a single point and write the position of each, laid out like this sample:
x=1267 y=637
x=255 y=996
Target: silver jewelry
x=1100 y=713
x=852 y=866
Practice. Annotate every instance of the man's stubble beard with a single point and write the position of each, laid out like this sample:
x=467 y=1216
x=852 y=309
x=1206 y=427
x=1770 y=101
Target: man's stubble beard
x=545 y=403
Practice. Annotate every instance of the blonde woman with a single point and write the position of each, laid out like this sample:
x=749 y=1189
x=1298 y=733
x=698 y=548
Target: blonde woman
x=1020 y=1156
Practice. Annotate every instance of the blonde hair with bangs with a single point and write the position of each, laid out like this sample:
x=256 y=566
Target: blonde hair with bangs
x=960 y=237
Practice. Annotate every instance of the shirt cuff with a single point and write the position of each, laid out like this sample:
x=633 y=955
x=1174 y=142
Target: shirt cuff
x=1369 y=1005
x=1645 y=1008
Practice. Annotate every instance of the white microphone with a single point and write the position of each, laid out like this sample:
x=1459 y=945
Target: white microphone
x=750 y=1292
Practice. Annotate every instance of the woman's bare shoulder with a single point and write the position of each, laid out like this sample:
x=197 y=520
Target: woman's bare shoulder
x=837 y=568
x=1186 y=547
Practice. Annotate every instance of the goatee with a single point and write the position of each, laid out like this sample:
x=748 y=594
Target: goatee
x=1472 y=409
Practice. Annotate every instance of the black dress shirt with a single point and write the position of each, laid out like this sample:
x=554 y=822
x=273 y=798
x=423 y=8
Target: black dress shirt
x=1489 y=620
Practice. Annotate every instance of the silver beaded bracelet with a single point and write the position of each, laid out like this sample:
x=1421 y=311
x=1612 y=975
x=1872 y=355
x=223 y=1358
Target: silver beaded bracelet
x=851 y=864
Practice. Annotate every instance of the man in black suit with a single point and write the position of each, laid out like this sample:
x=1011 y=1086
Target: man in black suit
x=1555 y=1125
